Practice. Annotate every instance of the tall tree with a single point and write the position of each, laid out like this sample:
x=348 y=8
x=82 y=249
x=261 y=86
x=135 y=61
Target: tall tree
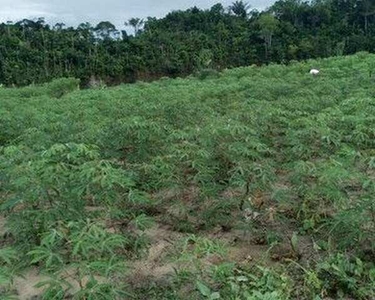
x=136 y=23
x=105 y=30
x=268 y=25
x=367 y=9
x=240 y=8
x=185 y=41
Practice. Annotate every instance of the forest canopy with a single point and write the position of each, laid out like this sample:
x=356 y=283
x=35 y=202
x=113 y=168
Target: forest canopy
x=183 y=42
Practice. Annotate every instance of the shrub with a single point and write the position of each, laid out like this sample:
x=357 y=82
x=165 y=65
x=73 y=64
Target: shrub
x=60 y=87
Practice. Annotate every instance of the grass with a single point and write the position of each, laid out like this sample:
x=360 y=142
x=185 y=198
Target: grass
x=267 y=157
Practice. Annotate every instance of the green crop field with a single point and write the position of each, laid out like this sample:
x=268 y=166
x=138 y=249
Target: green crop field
x=253 y=183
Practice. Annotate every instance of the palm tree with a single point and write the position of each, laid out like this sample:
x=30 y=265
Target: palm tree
x=105 y=30
x=240 y=8
x=58 y=26
x=136 y=23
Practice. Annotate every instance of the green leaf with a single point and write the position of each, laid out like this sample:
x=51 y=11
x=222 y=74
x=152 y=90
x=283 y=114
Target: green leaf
x=12 y=202
x=294 y=242
x=215 y=296
x=8 y=255
x=203 y=289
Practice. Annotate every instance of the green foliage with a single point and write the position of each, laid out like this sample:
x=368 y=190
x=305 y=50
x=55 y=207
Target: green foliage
x=58 y=184
x=232 y=283
x=59 y=87
x=272 y=150
x=344 y=276
x=8 y=270
x=184 y=42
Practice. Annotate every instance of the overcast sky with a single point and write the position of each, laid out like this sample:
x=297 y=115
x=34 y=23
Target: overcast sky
x=73 y=12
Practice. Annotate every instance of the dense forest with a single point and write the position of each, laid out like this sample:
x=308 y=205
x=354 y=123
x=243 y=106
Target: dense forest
x=32 y=51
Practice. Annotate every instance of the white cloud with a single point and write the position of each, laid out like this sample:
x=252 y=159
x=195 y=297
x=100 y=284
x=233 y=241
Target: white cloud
x=21 y=9
x=73 y=12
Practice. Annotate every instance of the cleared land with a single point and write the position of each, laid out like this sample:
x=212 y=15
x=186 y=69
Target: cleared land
x=255 y=183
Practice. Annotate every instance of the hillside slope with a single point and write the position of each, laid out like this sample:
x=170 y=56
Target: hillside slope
x=255 y=183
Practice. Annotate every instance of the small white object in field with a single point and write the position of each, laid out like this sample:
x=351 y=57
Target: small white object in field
x=314 y=72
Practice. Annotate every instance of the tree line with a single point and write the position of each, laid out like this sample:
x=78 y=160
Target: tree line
x=183 y=42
